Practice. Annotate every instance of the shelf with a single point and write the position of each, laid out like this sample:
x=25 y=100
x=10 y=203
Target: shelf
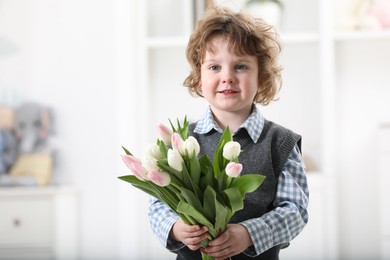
x=299 y=37
x=35 y=190
x=362 y=35
x=181 y=41
x=161 y=42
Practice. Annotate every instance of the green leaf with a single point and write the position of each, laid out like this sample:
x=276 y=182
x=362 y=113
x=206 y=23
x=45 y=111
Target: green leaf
x=126 y=151
x=221 y=218
x=235 y=198
x=195 y=169
x=163 y=148
x=188 y=182
x=150 y=188
x=181 y=130
x=248 y=182
x=219 y=161
x=190 y=198
x=209 y=203
x=142 y=185
x=185 y=208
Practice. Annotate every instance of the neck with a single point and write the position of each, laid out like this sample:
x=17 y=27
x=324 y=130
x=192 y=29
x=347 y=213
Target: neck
x=233 y=120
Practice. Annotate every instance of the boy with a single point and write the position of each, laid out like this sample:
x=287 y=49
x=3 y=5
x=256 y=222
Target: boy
x=234 y=66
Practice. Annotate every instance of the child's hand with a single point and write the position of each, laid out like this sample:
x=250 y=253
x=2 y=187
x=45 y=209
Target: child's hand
x=232 y=242
x=190 y=235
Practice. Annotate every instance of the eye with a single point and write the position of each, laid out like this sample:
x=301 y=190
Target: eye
x=214 y=67
x=240 y=67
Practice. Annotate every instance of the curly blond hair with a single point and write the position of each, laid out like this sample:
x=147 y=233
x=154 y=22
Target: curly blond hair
x=247 y=36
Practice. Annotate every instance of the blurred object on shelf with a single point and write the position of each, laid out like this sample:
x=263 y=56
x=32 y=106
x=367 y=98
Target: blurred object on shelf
x=36 y=165
x=8 y=144
x=31 y=125
x=368 y=15
x=235 y=5
x=10 y=97
x=6 y=118
x=381 y=11
x=268 y=10
x=310 y=166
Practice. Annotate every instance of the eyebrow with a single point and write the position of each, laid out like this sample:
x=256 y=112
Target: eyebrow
x=240 y=60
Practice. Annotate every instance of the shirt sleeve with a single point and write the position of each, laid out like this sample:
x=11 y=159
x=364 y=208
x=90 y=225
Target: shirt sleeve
x=289 y=216
x=162 y=219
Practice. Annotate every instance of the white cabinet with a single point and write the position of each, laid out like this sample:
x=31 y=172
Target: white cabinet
x=384 y=191
x=38 y=223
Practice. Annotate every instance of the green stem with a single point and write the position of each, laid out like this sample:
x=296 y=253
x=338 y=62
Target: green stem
x=206 y=257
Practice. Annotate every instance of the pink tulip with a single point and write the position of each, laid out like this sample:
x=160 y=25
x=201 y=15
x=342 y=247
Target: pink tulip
x=177 y=143
x=160 y=178
x=233 y=169
x=164 y=133
x=135 y=166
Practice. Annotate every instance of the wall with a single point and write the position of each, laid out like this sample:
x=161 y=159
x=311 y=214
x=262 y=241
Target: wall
x=80 y=58
x=65 y=57
x=363 y=104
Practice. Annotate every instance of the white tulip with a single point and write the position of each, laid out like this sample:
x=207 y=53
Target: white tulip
x=153 y=150
x=150 y=163
x=191 y=145
x=231 y=150
x=175 y=160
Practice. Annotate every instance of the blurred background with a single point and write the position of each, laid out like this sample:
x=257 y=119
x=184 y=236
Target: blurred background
x=79 y=79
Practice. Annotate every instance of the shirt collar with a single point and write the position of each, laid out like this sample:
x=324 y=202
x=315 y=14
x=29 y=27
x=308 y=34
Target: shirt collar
x=253 y=124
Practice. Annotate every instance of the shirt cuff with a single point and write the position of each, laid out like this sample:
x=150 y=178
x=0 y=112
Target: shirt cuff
x=260 y=234
x=171 y=244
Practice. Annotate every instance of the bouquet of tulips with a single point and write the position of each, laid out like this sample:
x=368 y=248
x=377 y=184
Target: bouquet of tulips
x=199 y=190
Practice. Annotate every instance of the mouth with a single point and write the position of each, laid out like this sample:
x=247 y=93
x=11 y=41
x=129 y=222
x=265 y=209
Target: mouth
x=227 y=91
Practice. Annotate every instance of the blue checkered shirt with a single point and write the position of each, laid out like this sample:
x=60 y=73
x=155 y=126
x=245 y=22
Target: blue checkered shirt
x=278 y=226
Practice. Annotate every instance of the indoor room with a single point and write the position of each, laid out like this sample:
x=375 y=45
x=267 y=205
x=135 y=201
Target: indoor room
x=79 y=80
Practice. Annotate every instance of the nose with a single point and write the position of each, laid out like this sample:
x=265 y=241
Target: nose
x=228 y=77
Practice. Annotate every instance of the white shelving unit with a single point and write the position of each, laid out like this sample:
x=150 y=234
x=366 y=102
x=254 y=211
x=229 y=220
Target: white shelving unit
x=384 y=192
x=308 y=99
x=38 y=223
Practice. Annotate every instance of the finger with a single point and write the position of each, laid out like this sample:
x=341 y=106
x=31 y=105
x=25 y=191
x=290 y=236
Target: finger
x=220 y=254
x=222 y=239
x=195 y=240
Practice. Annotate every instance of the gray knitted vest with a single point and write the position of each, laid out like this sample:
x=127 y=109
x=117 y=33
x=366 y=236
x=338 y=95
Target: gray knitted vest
x=266 y=157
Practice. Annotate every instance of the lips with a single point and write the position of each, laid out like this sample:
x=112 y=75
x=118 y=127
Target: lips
x=227 y=91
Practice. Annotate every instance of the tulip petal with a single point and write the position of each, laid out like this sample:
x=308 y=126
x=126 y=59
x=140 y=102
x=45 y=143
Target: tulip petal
x=164 y=133
x=191 y=146
x=160 y=178
x=177 y=143
x=231 y=150
x=233 y=169
x=135 y=166
x=175 y=160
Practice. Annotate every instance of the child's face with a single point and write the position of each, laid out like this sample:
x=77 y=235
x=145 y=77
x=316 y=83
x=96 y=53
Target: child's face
x=229 y=81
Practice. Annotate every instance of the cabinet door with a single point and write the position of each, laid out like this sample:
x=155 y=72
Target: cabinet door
x=25 y=221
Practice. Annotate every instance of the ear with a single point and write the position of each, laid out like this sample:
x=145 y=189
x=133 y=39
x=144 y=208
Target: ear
x=199 y=88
